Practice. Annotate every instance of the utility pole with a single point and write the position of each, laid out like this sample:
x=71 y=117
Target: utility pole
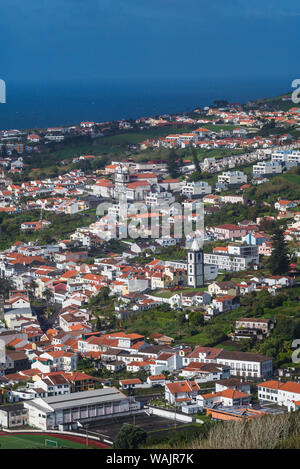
x=175 y=416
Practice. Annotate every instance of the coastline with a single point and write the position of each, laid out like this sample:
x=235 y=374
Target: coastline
x=34 y=106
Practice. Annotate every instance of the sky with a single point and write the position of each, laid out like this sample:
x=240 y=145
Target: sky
x=50 y=41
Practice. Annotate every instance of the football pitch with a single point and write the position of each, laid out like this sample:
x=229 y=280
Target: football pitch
x=33 y=441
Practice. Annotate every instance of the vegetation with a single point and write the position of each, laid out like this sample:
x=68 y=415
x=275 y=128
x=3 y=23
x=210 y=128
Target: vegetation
x=130 y=437
x=61 y=225
x=265 y=432
x=172 y=323
x=196 y=161
x=234 y=213
x=174 y=164
x=86 y=365
x=184 y=434
x=272 y=190
x=279 y=259
x=283 y=309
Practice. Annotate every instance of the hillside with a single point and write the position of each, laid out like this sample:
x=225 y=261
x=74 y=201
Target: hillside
x=277 y=102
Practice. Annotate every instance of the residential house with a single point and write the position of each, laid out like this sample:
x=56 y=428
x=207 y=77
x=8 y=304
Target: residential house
x=181 y=391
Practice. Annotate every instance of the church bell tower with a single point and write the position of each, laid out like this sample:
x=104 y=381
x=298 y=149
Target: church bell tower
x=195 y=272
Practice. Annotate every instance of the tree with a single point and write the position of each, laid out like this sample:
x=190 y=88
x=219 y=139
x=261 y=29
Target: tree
x=173 y=165
x=130 y=437
x=196 y=318
x=196 y=160
x=195 y=176
x=101 y=299
x=98 y=324
x=3 y=151
x=5 y=286
x=279 y=259
x=85 y=364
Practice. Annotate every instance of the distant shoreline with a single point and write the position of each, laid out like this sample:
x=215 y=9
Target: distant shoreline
x=34 y=107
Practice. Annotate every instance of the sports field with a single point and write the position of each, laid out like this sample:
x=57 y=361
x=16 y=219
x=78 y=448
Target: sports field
x=44 y=441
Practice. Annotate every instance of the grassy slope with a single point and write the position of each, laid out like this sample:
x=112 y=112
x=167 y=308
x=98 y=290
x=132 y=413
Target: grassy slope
x=61 y=226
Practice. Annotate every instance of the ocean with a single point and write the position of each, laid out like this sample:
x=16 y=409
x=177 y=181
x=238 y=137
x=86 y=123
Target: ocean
x=39 y=105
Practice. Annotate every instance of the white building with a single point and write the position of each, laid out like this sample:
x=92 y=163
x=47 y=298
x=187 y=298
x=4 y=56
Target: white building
x=232 y=177
x=241 y=363
x=181 y=391
x=228 y=398
x=236 y=258
x=12 y=416
x=195 y=272
x=166 y=362
x=194 y=188
x=57 y=360
x=65 y=411
x=283 y=394
x=267 y=167
x=205 y=372
x=286 y=156
x=103 y=188
x=156 y=199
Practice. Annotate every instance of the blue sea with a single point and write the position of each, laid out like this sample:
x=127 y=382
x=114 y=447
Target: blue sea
x=39 y=105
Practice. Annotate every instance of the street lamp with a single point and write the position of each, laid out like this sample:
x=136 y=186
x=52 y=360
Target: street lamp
x=79 y=424
x=175 y=414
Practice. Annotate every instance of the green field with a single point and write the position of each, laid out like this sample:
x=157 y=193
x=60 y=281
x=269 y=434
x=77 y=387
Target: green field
x=293 y=178
x=34 y=441
x=169 y=293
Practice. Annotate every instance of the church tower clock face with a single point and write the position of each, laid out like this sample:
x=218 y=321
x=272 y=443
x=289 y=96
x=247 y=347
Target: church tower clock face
x=122 y=175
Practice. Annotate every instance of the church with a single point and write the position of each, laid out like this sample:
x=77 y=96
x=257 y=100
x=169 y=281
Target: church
x=126 y=187
x=195 y=266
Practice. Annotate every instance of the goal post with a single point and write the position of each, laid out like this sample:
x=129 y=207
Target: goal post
x=52 y=443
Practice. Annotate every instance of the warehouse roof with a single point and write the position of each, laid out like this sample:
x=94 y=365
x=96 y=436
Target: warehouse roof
x=77 y=399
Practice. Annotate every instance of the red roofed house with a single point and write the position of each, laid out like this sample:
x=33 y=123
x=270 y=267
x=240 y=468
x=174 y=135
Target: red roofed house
x=103 y=188
x=33 y=138
x=130 y=383
x=226 y=303
x=228 y=397
x=19 y=301
x=157 y=380
x=87 y=125
x=136 y=366
x=229 y=231
x=284 y=205
x=137 y=190
x=181 y=391
x=58 y=361
x=283 y=394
